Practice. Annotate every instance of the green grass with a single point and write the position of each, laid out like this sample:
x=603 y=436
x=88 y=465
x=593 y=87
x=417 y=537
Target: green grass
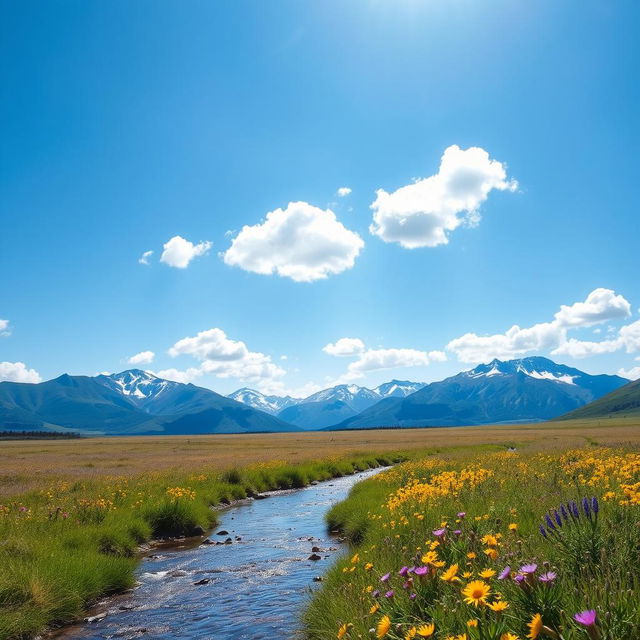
x=67 y=545
x=595 y=559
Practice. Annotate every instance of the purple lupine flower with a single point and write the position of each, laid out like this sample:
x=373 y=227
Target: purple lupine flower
x=563 y=511
x=385 y=577
x=548 y=577
x=586 y=618
x=389 y=594
x=529 y=568
x=519 y=578
x=403 y=572
x=586 y=507
x=573 y=508
x=376 y=593
x=549 y=521
x=594 y=505
x=421 y=572
x=505 y=573
x=556 y=515
x=543 y=531
x=438 y=533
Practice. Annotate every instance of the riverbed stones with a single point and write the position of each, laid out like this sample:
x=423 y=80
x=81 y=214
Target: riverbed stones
x=314 y=557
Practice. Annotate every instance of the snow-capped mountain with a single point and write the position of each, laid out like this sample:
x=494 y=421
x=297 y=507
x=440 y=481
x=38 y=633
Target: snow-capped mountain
x=358 y=398
x=523 y=390
x=398 y=388
x=140 y=387
x=268 y=404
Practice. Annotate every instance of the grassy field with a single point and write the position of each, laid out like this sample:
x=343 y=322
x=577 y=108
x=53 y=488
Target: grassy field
x=541 y=542
x=73 y=512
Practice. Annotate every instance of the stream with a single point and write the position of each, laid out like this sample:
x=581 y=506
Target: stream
x=256 y=587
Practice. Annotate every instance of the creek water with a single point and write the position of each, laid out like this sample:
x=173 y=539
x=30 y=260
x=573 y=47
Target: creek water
x=255 y=587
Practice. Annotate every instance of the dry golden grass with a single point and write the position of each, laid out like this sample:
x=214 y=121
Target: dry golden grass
x=30 y=464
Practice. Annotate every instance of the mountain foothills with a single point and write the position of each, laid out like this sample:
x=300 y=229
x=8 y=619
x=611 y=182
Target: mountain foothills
x=624 y=401
x=138 y=402
x=131 y=402
x=525 y=390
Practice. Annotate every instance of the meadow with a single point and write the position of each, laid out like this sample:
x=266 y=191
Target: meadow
x=475 y=545
x=73 y=513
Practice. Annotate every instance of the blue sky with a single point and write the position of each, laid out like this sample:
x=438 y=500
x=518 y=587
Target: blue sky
x=125 y=125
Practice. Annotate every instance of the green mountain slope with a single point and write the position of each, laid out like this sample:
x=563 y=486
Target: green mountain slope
x=624 y=401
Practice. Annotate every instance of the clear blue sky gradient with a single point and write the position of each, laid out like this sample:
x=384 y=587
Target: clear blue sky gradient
x=125 y=123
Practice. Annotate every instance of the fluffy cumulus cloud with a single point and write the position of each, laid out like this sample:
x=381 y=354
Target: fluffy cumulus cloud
x=4 y=327
x=18 y=372
x=179 y=252
x=301 y=242
x=223 y=357
x=177 y=375
x=377 y=359
x=424 y=213
x=631 y=374
x=144 y=357
x=343 y=191
x=601 y=305
x=344 y=347
x=145 y=257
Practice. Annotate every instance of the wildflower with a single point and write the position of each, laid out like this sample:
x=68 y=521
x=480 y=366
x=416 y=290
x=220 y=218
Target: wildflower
x=376 y=593
x=472 y=623
x=535 y=626
x=508 y=636
x=487 y=573
x=421 y=572
x=595 y=507
x=471 y=555
x=355 y=559
x=529 y=568
x=426 y=630
x=586 y=507
x=403 y=572
x=383 y=627
x=476 y=592
x=368 y=566
x=450 y=575
x=467 y=574
x=413 y=596
x=343 y=630
x=519 y=578
x=563 y=511
x=505 y=573
x=490 y=540
x=498 y=606
x=513 y=527
x=462 y=514
x=543 y=531
x=586 y=618
x=374 y=608
x=492 y=553
x=439 y=533
x=550 y=525
x=548 y=577
x=411 y=633
x=389 y=594
x=557 y=517
x=457 y=532
x=385 y=577
x=573 y=508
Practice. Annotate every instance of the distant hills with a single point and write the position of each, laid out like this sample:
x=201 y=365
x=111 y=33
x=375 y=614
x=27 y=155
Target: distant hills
x=624 y=401
x=131 y=402
x=329 y=406
x=523 y=390
x=138 y=402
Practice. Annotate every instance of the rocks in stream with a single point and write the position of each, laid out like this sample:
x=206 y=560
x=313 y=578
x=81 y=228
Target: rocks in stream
x=201 y=582
x=315 y=549
x=208 y=541
x=314 y=557
x=222 y=532
x=317 y=579
x=95 y=618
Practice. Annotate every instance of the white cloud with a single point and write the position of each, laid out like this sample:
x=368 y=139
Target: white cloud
x=601 y=305
x=179 y=252
x=225 y=358
x=632 y=374
x=4 y=328
x=144 y=357
x=423 y=214
x=144 y=258
x=301 y=242
x=344 y=347
x=18 y=372
x=186 y=376
x=343 y=191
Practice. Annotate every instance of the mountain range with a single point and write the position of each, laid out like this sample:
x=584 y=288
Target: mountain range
x=326 y=407
x=131 y=402
x=138 y=402
x=523 y=390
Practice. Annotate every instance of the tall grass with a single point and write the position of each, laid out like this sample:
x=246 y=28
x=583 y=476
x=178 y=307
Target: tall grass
x=423 y=531
x=67 y=545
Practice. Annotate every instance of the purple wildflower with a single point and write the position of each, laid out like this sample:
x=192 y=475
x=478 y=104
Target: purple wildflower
x=376 y=593
x=586 y=618
x=438 y=533
x=557 y=517
x=403 y=572
x=573 y=507
x=421 y=571
x=413 y=596
x=389 y=594
x=519 y=578
x=408 y=584
x=462 y=514
x=586 y=507
x=550 y=576
x=457 y=532
x=385 y=577
x=529 y=568
x=543 y=531
x=505 y=573
x=594 y=505
x=549 y=521
x=563 y=511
